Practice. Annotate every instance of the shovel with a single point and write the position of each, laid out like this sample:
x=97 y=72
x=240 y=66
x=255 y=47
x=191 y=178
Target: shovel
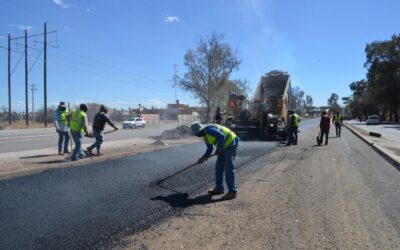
x=180 y=171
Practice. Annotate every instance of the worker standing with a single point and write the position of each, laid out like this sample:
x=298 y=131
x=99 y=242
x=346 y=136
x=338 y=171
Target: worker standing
x=217 y=116
x=294 y=121
x=100 y=120
x=324 y=125
x=338 y=121
x=60 y=122
x=226 y=143
x=78 y=124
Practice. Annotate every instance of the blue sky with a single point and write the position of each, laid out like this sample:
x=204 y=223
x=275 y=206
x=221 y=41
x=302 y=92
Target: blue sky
x=122 y=53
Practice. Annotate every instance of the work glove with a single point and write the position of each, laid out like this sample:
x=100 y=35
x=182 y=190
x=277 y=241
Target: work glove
x=218 y=151
x=201 y=160
x=115 y=128
x=58 y=131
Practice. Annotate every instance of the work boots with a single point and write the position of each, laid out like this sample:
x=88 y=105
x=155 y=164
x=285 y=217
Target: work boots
x=215 y=191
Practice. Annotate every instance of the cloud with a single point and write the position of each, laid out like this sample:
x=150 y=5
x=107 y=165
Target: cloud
x=21 y=27
x=171 y=19
x=62 y=4
x=90 y=9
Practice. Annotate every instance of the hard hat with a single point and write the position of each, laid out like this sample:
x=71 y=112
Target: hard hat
x=197 y=127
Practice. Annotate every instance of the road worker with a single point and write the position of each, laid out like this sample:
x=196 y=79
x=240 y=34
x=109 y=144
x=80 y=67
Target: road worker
x=217 y=117
x=60 y=122
x=100 y=120
x=294 y=121
x=338 y=121
x=324 y=125
x=226 y=143
x=78 y=124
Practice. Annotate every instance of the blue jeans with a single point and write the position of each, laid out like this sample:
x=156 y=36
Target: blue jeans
x=77 y=137
x=225 y=164
x=338 y=129
x=63 y=136
x=99 y=140
x=295 y=130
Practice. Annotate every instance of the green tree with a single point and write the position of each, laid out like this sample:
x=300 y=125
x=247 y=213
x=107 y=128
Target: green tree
x=333 y=101
x=208 y=69
x=383 y=65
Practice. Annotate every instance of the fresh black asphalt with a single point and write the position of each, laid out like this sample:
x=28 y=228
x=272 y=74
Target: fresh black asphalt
x=87 y=206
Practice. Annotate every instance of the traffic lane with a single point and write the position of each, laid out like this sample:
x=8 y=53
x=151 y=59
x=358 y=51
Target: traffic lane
x=77 y=207
x=306 y=124
x=30 y=142
x=26 y=132
x=381 y=177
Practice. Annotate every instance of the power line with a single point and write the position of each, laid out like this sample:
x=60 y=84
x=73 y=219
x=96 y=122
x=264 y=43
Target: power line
x=97 y=73
x=110 y=66
x=34 y=62
x=102 y=70
x=19 y=60
x=35 y=35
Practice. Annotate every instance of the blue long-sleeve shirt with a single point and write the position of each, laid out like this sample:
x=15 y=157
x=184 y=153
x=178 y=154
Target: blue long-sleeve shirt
x=57 y=122
x=214 y=131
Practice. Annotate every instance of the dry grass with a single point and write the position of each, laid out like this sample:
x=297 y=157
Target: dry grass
x=22 y=125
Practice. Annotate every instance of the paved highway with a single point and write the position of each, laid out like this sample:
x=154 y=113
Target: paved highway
x=336 y=196
x=28 y=139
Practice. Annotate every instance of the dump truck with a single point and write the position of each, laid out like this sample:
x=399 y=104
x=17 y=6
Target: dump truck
x=265 y=116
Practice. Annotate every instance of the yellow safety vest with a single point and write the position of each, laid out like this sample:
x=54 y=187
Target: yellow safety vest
x=63 y=116
x=338 y=118
x=76 y=123
x=228 y=134
x=296 y=120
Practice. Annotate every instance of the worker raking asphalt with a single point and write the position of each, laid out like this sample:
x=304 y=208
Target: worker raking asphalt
x=82 y=206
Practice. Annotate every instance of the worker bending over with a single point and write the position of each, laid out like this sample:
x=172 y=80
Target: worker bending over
x=226 y=143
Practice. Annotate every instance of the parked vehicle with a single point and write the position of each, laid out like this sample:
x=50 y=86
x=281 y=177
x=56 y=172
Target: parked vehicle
x=373 y=120
x=134 y=122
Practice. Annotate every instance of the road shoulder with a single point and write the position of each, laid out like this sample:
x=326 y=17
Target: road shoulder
x=28 y=162
x=387 y=148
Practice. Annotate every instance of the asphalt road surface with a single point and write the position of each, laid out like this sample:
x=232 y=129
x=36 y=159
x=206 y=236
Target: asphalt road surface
x=85 y=206
x=28 y=139
x=77 y=207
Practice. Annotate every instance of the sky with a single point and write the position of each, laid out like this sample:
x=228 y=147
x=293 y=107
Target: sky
x=122 y=52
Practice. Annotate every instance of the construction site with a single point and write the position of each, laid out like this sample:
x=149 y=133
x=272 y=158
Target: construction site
x=201 y=125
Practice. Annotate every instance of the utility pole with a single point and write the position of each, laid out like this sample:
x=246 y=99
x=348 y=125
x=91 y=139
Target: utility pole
x=25 y=37
x=9 y=79
x=26 y=79
x=33 y=89
x=45 y=73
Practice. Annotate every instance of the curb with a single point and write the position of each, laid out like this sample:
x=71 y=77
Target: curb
x=370 y=143
x=376 y=148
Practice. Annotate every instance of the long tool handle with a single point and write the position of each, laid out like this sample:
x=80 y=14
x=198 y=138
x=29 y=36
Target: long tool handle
x=180 y=171
x=112 y=131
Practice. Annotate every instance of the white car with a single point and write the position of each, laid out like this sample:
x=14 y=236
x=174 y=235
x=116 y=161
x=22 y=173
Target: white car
x=373 y=120
x=134 y=122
